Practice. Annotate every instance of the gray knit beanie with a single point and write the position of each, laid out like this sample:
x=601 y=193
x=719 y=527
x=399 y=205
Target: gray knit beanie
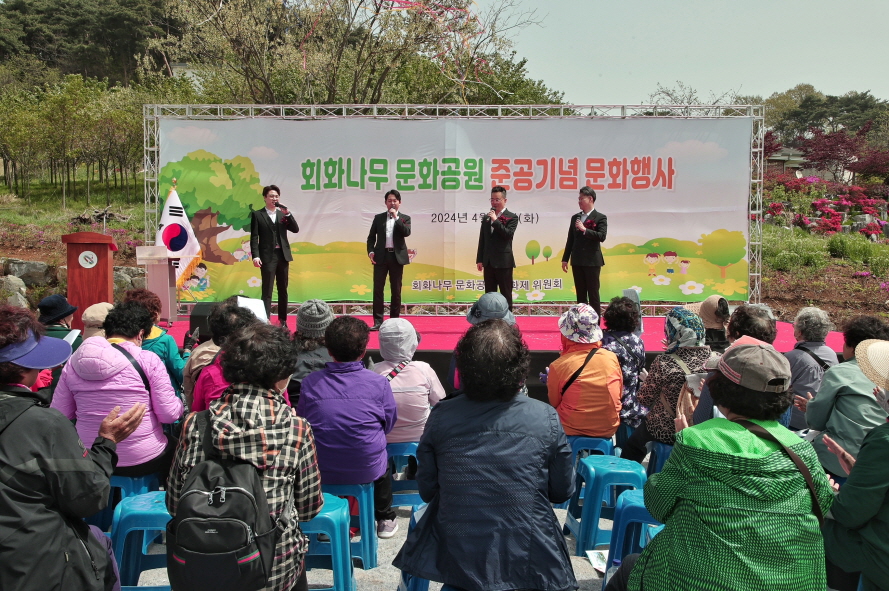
x=312 y=318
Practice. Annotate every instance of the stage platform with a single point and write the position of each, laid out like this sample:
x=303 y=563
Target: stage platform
x=441 y=333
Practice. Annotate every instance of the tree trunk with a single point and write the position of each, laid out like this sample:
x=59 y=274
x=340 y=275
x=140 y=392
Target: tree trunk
x=205 y=230
x=88 y=176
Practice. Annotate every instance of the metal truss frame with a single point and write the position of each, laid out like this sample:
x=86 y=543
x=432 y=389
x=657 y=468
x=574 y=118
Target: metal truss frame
x=153 y=114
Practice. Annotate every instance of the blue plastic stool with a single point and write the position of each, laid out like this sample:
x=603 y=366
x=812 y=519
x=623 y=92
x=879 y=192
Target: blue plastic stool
x=410 y=582
x=128 y=487
x=140 y=513
x=601 y=474
x=660 y=452
x=404 y=492
x=578 y=444
x=334 y=522
x=630 y=515
x=366 y=547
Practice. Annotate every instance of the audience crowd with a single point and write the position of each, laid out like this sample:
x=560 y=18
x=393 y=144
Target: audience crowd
x=776 y=478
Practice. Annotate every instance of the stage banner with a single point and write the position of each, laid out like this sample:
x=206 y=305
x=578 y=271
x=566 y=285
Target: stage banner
x=675 y=192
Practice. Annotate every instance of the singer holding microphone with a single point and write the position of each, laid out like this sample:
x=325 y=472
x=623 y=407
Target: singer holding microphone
x=585 y=236
x=494 y=255
x=271 y=248
x=387 y=252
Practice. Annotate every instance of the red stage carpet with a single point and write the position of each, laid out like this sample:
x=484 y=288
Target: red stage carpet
x=440 y=333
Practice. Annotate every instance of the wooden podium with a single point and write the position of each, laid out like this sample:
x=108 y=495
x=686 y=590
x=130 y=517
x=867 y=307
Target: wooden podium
x=90 y=271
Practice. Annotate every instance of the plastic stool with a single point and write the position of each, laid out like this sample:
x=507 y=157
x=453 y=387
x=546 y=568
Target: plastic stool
x=660 y=452
x=578 y=444
x=140 y=513
x=404 y=492
x=601 y=474
x=630 y=515
x=128 y=487
x=410 y=582
x=334 y=522
x=366 y=547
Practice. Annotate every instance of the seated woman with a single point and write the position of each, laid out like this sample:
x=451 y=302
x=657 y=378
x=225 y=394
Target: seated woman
x=252 y=423
x=489 y=306
x=845 y=408
x=312 y=319
x=99 y=377
x=685 y=354
x=414 y=384
x=856 y=533
x=50 y=481
x=621 y=319
x=157 y=340
x=714 y=314
x=810 y=357
x=589 y=404
x=492 y=462
x=351 y=410
x=738 y=511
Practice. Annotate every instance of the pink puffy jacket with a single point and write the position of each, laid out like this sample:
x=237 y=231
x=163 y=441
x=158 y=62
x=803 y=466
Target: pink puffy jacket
x=98 y=377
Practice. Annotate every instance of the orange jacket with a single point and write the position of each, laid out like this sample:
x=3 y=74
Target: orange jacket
x=591 y=405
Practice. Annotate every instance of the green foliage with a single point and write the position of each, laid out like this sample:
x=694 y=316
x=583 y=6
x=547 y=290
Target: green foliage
x=879 y=264
x=789 y=250
x=723 y=248
x=855 y=248
x=547 y=252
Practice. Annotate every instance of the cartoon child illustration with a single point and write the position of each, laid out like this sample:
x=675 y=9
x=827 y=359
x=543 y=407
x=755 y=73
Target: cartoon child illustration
x=243 y=253
x=683 y=266
x=652 y=259
x=203 y=279
x=670 y=258
x=191 y=283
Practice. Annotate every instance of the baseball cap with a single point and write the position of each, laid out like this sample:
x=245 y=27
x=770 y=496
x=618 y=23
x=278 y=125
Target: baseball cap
x=755 y=365
x=36 y=354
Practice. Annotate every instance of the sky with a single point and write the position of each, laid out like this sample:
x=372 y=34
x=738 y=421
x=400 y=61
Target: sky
x=617 y=51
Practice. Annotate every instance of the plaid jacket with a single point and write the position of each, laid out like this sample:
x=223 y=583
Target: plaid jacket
x=254 y=425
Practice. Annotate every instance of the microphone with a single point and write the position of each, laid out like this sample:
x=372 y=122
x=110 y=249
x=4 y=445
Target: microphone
x=486 y=218
x=578 y=219
x=284 y=209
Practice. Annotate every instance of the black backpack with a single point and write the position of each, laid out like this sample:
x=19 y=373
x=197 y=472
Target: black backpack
x=222 y=537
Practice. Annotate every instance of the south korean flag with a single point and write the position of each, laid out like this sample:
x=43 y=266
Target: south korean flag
x=175 y=232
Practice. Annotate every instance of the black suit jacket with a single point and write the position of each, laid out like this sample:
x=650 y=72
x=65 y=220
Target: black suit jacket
x=584 y=248
x=262 y=234
x=495 y=248
x=376 y=239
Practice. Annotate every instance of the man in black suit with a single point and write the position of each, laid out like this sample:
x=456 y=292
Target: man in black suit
x=388 y=254
x=271 y=248
x=494 y=255
x=585 y=236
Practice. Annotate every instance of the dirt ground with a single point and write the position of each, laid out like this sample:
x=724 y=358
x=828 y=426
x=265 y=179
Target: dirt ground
x=833 y=289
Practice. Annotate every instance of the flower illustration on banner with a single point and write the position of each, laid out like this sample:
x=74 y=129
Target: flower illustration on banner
x=515 y=295
x=731 y=286
x=661 y=280
x=521 y=274
x=254 y=282
x=450 y=297
x=350 y=272
x=535 y=296
x=241 y=291
x=360 y=289
x=709 y=282
x=637 y=288
x=690 y=287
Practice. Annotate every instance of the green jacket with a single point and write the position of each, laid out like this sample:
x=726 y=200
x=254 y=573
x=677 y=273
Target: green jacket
x=162 y=344
x=845 y=409
x=858 y=533
x=738 y=514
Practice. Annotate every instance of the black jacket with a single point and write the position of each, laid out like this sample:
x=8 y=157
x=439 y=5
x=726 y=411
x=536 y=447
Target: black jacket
x=48 y=483
x=262 y=234
x=495 y=248
x=584 y=248
x=376 y=238
x=490 y=471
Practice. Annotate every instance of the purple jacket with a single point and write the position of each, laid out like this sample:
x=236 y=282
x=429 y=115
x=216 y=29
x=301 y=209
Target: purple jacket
x=350 y=409
x=98 y=377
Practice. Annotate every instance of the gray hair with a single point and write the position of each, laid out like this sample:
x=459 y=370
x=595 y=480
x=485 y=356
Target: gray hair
x=813 y=324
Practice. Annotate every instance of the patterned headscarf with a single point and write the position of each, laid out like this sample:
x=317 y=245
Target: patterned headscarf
x=683 y=328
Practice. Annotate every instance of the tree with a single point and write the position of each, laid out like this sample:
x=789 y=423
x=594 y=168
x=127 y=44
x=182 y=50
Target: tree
x=770 y=144
x=213 y=193
x=834 y=151
x=779 y=104
x=723 y=248
x=547 y=252
x=850 y=112
x=532 y=249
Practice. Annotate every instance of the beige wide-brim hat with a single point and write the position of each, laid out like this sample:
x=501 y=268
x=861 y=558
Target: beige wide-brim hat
x=93 y=318
x=707 y=311
x=873 y=359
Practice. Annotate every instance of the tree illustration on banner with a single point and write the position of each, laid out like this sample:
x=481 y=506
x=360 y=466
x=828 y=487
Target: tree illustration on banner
x=175 y=232
x=532 y=250
x=723 y=248
x=215 y=192
x=547 y=252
